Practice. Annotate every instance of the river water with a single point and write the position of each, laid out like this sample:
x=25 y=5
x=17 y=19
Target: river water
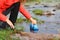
x=52 y=23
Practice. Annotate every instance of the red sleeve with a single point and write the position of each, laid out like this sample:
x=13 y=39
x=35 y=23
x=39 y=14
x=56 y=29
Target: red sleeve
x=24 y=12
x=3 y=17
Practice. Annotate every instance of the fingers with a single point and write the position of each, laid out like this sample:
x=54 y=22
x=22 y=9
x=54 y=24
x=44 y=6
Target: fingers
x=34 y=22
x=12 y=26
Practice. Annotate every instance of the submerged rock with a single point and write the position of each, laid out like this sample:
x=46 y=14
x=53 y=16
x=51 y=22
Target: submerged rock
x=54 y=9
x=49 y=13
x=46 y=6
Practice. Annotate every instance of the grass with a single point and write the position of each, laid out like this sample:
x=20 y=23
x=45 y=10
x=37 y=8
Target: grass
x=20 y=28
x=33 y=1
x=6 y=33
x=20 y=20
x=35 y=18
x=38 y=11
x=28 y=2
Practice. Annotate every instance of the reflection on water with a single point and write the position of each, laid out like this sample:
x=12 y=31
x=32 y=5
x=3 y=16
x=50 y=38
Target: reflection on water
x=52 y=23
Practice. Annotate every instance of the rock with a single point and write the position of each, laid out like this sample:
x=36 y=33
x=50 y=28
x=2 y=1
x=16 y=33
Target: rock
x=54 y=10
x=49 y=13
x=45 y=6
x=58 y=6
x=33 y=7
x=36 y=3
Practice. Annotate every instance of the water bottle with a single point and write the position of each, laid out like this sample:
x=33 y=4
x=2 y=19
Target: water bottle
x=34 y=28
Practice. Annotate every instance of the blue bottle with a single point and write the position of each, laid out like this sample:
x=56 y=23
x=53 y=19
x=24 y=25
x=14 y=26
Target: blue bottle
x=34 y=28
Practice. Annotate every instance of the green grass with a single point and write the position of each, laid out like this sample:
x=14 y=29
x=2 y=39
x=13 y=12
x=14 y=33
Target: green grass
x=38 y=11
x=20 y=28
x=35 y=18
x=5 y=34
x=20 y=20
x=33 y=0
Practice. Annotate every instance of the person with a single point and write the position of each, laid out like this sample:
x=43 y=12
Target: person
x=12 y=7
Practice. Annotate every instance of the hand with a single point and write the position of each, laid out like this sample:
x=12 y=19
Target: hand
x=10 y=23
x=12 y=26
x=33 y=21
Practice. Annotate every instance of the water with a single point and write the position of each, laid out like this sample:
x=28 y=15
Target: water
x=52 y=23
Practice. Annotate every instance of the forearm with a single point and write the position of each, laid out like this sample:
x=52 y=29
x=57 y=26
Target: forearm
x=5 y=19
x=24 y=12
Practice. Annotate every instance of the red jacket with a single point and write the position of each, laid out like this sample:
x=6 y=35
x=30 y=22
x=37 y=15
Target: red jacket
x=4 y=4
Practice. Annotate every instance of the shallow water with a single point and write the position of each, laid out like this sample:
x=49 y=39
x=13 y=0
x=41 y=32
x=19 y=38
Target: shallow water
x=52 y=23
